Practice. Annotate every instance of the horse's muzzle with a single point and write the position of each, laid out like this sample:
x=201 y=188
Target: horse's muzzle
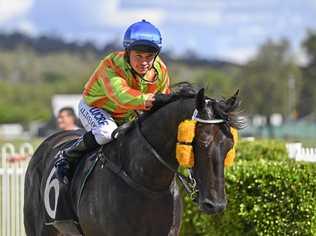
x=211 y=207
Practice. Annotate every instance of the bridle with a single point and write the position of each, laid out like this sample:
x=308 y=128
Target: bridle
x=189 y=183
x=210 y=121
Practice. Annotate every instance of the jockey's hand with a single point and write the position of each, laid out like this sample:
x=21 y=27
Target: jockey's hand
x=162 y=99
x=149 y=102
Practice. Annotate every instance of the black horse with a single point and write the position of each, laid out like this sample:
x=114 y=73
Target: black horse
x=132 y=189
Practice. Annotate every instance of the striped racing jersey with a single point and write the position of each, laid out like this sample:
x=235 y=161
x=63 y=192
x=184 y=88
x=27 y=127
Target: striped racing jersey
x=117 y=89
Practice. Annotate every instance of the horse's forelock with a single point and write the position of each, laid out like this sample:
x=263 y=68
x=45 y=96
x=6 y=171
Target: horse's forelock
x=229 y=112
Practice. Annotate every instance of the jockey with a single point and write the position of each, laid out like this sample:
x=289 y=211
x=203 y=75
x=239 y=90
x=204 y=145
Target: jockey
x=123 y=83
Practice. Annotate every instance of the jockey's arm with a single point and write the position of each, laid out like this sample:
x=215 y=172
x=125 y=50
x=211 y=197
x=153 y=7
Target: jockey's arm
x=106 y=84
x=118 y=91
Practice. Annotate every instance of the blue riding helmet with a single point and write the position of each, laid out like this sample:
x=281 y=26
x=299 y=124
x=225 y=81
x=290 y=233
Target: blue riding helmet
x=142 y=33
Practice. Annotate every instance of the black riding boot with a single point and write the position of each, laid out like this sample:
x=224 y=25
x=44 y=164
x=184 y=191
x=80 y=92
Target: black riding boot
x=67 y=158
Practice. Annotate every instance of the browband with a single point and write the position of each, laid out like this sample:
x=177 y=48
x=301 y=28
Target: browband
x=212 y=121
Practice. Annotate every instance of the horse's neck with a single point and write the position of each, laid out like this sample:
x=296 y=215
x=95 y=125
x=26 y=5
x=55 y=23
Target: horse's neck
x=160 y=129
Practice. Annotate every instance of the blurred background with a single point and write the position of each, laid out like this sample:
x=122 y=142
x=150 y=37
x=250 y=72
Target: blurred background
x=265 y=48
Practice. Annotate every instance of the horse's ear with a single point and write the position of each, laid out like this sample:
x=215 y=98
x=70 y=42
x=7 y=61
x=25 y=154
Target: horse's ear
x=233 y=102
x=236 y=93
x=200 y=100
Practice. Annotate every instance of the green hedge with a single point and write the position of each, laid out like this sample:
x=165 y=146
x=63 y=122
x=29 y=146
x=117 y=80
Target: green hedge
x=273 y=150
x=264 y=198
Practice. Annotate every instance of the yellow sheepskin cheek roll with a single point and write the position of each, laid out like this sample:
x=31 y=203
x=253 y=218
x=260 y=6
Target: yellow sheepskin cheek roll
x=186 y=131
x=235 y=135
x=184 y=155
x=230 y=156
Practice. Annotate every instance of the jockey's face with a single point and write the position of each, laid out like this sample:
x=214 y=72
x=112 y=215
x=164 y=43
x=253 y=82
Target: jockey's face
x=141 y=61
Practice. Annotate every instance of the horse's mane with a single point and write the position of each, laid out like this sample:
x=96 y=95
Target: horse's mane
x=223 y=109
x=184 y=89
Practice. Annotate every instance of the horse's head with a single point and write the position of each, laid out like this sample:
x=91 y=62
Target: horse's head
x=213 y=140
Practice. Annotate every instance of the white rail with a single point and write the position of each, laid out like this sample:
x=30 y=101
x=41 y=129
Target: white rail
x=297 y=152
x=13 y=165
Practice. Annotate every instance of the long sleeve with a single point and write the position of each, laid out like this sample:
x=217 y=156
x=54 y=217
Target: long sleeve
x=114 y=88
x=103 y=86
x=118 y=91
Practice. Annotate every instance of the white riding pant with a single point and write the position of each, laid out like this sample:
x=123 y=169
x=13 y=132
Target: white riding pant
x=98 y=121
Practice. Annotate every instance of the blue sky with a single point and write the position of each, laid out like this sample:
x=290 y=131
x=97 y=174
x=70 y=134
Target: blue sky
x=223 y=29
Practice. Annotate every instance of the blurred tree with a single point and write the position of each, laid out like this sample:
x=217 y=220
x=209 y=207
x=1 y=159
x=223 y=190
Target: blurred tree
x=308 y=95
x=29 y=79
x=216 y=83
x=270 y=81
x=34 y=69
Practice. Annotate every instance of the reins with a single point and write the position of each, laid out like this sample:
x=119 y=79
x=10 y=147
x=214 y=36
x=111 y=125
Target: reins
x=118 y=169
x=189 y=183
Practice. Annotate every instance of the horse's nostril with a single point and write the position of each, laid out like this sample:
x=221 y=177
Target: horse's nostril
x=207 y=202
x=213 y=207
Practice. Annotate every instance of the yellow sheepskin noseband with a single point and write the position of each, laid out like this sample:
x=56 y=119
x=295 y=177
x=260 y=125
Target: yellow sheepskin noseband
x=184 y=149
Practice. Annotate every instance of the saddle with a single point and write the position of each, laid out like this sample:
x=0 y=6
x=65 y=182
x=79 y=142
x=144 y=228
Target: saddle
x=60 y=200
x=66 y=199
